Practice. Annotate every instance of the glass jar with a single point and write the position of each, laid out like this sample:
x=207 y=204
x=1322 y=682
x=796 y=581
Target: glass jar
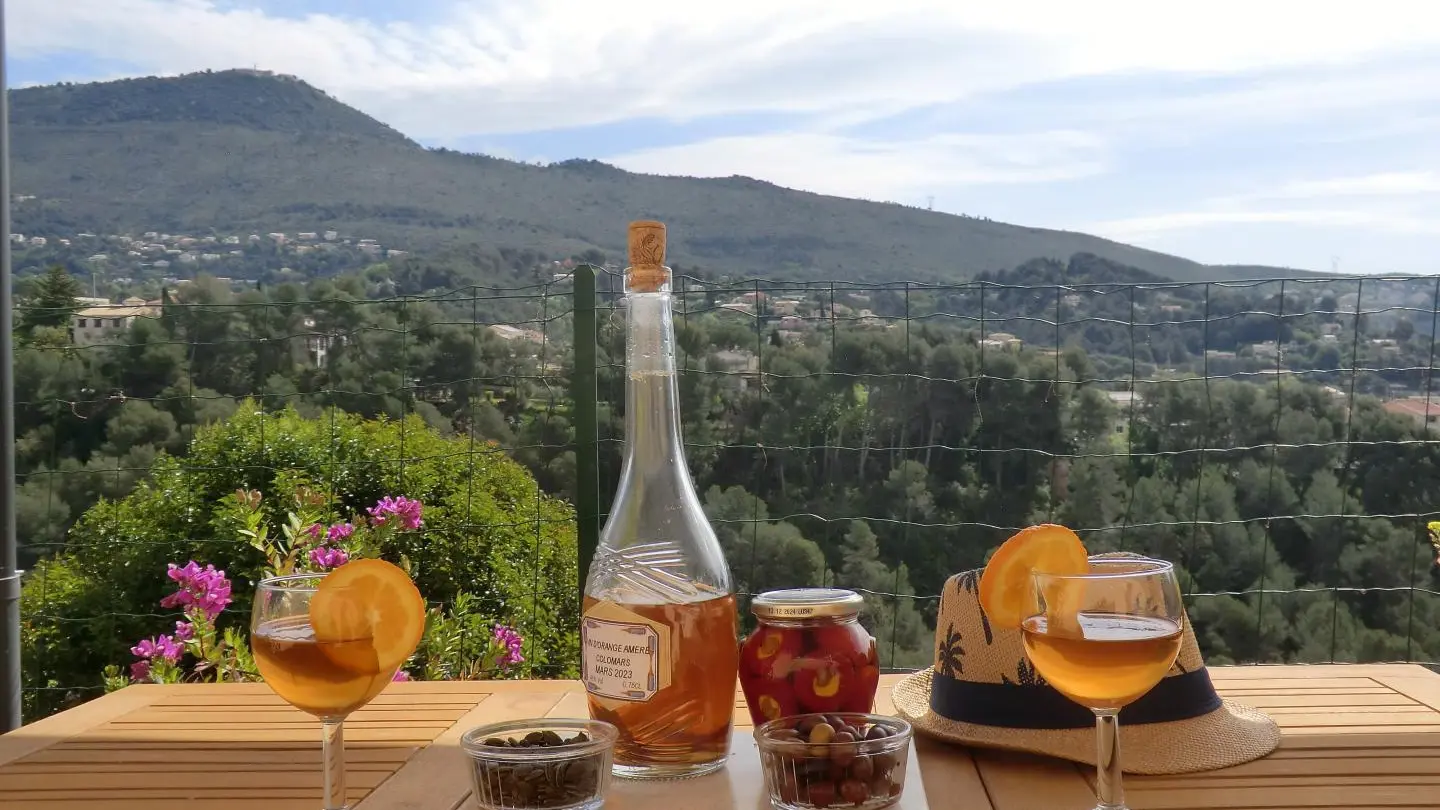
x=808 y=654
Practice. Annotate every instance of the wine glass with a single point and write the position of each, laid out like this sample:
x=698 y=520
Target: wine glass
x=1103 y=639
x=327 y=678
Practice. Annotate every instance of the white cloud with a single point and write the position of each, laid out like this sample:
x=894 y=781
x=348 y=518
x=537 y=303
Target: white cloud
x=516 y=65
x=889 y=170
x=1145 y=228
x=1384 y=184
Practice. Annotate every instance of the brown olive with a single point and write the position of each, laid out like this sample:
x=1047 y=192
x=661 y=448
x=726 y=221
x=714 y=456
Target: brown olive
x=821 y=794
x=877 y=732
x=863 y=768
x=842 y=750
x=854 y=791
x=784 y=735
x=879 y=786
x=804 y=724
x=884 y=763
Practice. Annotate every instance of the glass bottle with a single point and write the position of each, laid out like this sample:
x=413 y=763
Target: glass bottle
x=658 y=635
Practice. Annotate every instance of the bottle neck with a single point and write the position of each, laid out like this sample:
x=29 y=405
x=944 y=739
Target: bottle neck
x=652 y=402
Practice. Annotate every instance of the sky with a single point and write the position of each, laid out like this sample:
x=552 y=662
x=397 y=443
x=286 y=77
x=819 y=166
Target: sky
x=1298 y=134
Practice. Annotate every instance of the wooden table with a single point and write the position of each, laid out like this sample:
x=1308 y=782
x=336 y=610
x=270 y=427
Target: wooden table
x=1360 y=736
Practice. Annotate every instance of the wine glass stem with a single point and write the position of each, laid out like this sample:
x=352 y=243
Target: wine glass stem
x=332 y=757
x=1108 y=787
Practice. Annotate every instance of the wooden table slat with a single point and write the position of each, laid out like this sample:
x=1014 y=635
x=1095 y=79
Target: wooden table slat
x=1355 y=736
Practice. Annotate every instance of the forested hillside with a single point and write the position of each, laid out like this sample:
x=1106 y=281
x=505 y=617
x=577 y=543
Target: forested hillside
x=244 y=152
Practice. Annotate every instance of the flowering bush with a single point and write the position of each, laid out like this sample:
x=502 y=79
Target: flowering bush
x=308 y=543
x=202 y=594
x=489 y=530
x=461 y=644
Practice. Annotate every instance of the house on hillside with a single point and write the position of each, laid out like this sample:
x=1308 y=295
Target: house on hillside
x=1423 y=412
x=1126 y=403
x=318 y=344
x=741 y=368
x=1004 y=341
x=108 y=322
x=505 y=331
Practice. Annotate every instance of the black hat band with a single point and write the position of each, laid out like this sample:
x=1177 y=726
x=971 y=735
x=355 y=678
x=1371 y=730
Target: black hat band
x=1039 y=706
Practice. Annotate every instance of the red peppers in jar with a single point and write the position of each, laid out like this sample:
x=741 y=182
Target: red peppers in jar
x=808 y=654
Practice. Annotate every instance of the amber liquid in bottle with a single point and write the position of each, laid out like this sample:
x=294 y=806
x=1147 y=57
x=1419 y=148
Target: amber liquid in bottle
x=658 y=634
x=683 y=724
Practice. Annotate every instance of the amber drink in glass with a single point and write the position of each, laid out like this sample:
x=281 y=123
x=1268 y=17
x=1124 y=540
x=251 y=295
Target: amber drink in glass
x=329 y=643
x=1103 y=639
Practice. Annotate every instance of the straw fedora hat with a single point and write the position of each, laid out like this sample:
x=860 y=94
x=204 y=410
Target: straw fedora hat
x=983 y=691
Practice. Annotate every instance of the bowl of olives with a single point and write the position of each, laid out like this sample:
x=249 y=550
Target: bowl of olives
x=834 y=760
x=547 y=764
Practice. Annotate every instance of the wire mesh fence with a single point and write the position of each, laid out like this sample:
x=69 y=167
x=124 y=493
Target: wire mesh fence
x=1273 y=437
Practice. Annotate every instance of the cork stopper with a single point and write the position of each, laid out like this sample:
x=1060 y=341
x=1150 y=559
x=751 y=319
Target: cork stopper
x=647 y=272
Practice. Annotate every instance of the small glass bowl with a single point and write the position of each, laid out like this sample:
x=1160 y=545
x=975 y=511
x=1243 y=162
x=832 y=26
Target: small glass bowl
x=563 y=776
x=834 y=760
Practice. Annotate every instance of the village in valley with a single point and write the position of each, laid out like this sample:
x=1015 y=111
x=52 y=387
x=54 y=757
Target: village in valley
x=127 y=276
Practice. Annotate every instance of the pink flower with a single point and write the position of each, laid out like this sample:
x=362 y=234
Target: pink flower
x=165 y=647
x=184 y=631
x=204 y=588
x=140 y=671
x=327 y=557
x=339 y=532
x=315 y=530
x=512 y=642
x=401 y=675
x=405 y=510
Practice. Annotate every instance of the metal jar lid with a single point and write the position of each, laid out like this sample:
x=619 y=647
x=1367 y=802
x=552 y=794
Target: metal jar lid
x=806 y=603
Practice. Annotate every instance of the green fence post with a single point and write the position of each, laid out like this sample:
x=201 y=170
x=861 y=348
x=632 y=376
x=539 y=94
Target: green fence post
x=583 y=393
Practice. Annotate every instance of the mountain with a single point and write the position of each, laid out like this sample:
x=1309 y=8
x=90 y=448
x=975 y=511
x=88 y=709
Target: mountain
x=251 y=151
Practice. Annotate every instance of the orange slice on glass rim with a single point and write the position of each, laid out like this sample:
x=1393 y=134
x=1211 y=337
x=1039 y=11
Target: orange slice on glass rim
x=368 y=616
x=1007 y=589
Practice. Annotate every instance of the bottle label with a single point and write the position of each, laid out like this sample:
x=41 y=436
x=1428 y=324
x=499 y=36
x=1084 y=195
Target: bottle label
x=623 y=656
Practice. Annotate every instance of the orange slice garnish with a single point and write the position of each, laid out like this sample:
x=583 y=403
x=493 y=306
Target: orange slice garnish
x=1007 y=591
x=368 y=616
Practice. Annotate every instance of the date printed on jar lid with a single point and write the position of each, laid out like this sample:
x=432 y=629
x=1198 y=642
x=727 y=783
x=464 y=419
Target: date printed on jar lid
x=806 y=603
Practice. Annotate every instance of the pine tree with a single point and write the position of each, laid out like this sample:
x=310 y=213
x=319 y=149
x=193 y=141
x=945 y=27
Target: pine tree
x=53 y=302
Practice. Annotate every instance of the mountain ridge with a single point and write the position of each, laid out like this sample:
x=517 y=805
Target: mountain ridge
x=248 y=149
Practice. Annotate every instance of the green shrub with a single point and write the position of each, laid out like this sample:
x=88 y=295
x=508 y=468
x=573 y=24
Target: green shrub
x=489 y=533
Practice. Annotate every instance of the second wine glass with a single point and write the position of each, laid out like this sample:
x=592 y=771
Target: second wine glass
x=1103 y=639
x=327 y=644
